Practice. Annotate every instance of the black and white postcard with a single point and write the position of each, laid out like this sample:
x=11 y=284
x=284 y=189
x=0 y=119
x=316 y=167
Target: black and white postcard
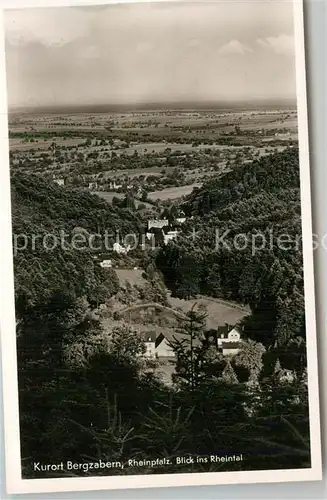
x=157 y=298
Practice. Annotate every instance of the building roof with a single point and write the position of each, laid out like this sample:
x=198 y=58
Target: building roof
x=226 y=329
x=150 y=337
x=223 y=330
x=158 y=336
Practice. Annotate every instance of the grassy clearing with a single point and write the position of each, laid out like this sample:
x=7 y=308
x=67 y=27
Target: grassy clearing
x=172 y=193
x=108 y=195
x=20 y=145
x=133 y=276
x=218 y=312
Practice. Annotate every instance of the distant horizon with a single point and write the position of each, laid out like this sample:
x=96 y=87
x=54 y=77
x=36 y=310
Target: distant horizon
x=158 y=106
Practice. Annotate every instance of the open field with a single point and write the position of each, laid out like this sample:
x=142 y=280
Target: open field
x=219 y=312
x=162 y=154
x=160 y=147
x=172 y=193
x=108 y=195
x=133 y=276
x=150 y=119
x=134 y=172
x=44 y=144
x=153 y=128
x=145 y=148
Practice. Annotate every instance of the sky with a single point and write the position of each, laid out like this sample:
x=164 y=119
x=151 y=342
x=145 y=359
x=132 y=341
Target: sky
x=230 y=50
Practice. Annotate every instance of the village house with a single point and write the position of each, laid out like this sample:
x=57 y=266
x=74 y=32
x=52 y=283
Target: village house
x=157 y=223
x=168 y=231
x=157 y=345
x=181 y=219
x=120 y=249
x=114 y=185
x=227 y=339
x=283 y=134
x=171 y=235
x=60 y=182
x=227 y=333
x=106 y=263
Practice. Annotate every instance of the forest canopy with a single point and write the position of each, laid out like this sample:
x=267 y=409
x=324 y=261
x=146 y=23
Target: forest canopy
x=261 y=198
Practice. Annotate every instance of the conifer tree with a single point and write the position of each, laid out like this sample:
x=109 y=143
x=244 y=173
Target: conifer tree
x=229 y=375
x=190 y=350
x=277 y=368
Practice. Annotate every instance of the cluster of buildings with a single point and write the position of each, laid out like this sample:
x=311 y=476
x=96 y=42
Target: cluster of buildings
x=113 y=185
x=117 y=248
x=284 y=135
x=120 y=249
x=158 y=344
x=168 y=228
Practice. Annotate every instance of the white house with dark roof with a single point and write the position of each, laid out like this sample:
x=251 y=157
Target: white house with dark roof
x=157 y=345
x=228 y=340
x=227 y=333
